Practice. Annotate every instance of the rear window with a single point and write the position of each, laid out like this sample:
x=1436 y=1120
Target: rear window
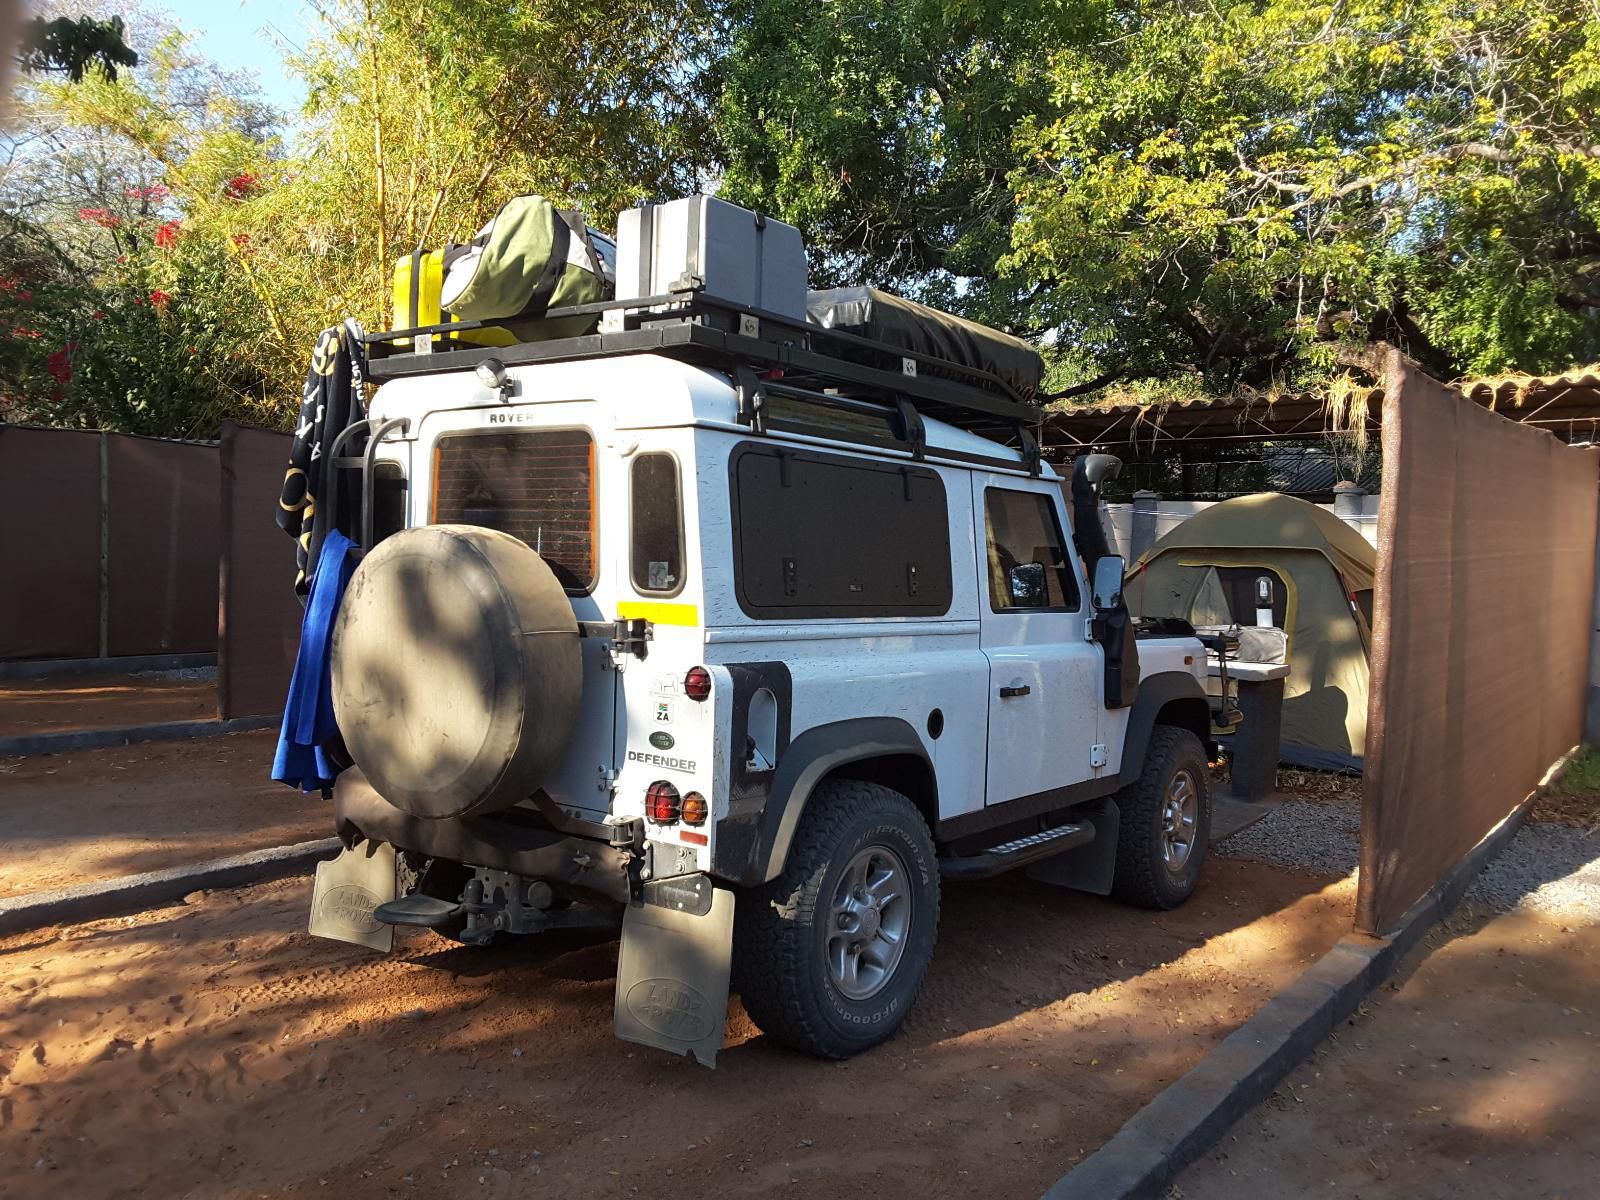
x=535 y=484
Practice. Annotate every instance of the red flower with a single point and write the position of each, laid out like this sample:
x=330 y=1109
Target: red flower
x=241 y=240
x=240 y=186
x=24 y=296
x=99 y=314
x=160 y=300
x=102 y=217
x=60 y=362
x=19 y=331
x=156 y=192
x=167 y=234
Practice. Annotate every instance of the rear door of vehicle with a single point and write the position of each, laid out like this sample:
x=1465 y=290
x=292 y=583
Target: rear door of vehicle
x=1044 y=674
x=541 y=483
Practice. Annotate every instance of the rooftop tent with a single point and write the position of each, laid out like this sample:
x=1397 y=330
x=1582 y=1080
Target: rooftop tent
x=1205 y=570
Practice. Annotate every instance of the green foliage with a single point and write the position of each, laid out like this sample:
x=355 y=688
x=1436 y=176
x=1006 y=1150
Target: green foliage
x=421 y=119
x=1235 y=195
x=75 y=46
x=149 y=343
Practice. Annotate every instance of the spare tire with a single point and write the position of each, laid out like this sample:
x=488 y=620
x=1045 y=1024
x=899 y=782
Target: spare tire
x=456 y=670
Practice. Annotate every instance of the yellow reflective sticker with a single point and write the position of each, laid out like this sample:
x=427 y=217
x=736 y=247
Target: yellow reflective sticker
x=658 y=612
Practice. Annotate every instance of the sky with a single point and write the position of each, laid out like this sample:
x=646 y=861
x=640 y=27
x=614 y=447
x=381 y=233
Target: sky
x=240 y=34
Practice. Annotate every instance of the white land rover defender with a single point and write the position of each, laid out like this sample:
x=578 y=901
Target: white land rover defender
x=750 y=633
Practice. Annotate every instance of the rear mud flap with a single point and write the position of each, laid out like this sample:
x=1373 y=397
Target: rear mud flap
x=348 y=889
x=672 y=976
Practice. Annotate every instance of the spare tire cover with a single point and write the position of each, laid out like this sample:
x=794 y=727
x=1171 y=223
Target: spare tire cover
x=456 y=670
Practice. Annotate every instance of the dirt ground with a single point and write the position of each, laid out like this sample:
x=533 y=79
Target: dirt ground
x=94 y=814
x=214 y=1049
x=31 y=706
x=1474 y=1076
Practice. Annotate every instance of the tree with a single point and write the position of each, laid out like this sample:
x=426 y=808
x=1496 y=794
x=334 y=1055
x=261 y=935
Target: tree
x=1232 y=195
x=421 y=119
x=883 y=128
x=74 y=46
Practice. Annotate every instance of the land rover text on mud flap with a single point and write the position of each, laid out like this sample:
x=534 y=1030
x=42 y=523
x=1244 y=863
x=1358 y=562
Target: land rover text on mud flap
x=752 y=634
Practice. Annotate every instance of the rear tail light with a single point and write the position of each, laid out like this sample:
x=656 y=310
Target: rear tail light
x=695 y=810
x=697 y=683
x=661 y=803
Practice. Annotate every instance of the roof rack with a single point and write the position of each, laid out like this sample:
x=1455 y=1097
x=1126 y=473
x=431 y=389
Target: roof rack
x=764 y=352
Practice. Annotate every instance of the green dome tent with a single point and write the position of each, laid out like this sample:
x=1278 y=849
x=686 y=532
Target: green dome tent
x=1204 y=571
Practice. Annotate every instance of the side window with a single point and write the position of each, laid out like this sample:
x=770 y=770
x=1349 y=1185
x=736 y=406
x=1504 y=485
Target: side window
x=657 y=552
x=822 y=535
x=1023 y=532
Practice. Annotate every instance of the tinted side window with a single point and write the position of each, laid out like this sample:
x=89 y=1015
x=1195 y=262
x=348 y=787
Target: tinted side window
x=388 y=499
x=1022 y=528
x=822 y=535
x=657 y=514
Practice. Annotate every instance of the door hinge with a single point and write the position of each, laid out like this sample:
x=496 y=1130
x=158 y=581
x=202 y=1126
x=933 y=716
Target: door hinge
x=608 y=781
x=1097 y=756
x=629 y=637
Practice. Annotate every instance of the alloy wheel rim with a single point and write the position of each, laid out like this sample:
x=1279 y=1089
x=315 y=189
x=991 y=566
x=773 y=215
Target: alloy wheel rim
x=1179 y=815
x=868 y=920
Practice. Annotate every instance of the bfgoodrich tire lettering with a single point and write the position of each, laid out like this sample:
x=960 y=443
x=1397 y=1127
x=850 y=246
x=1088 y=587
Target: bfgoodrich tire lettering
x=789 y=933
x=1159 y=860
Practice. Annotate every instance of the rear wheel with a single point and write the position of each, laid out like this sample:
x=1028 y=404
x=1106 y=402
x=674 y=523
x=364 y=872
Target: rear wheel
x=829 y=957
x=1165 y=823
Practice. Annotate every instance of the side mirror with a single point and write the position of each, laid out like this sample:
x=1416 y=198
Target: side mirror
x=1107 y=590
x=1101 y=468
x=1026 y=581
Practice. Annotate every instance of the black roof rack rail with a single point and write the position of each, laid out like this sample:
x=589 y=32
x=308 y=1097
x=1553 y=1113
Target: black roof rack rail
x=776 y=353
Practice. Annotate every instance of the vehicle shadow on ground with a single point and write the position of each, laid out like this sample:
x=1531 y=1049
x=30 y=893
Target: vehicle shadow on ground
x=220 y=1033
x=1006 y=947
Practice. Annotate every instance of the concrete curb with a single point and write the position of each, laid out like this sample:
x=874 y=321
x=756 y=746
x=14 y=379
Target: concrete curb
x=26 y=745
x=134 y=893
x=1186 y=1119
x=135 y=664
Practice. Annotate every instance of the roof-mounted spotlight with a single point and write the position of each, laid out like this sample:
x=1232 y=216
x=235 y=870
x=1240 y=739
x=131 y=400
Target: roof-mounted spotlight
x=491 y=372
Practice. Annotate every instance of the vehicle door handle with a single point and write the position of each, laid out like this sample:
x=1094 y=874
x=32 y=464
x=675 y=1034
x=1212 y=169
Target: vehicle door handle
x=1006 y=693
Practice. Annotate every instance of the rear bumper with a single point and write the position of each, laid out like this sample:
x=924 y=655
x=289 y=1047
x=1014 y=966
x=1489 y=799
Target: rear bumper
x=577 y=863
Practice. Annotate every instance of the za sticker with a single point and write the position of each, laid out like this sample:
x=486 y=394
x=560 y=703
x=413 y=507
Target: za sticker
x=663 y=713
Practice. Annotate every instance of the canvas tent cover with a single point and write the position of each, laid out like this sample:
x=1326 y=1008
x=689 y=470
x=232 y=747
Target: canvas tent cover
x=1196 y=570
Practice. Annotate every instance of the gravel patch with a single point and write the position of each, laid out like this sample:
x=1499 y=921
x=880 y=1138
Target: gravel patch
x=1549 y=869
x=1324 y=837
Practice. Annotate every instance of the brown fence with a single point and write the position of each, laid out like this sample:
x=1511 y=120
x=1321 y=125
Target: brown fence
x=259 y=620
x=50 y=543
x=109 y=544
x=1486 y=545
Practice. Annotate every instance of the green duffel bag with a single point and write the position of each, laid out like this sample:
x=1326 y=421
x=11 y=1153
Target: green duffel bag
x=530 y=258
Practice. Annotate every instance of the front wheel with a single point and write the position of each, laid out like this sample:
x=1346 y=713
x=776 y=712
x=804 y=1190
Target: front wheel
x=829 y=957
x=1165 y=823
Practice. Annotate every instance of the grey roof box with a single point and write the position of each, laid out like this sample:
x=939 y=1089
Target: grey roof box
x=732 y=254
x=884 y=317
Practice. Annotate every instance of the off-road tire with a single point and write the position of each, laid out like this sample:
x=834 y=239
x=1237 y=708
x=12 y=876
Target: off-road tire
x=781 y=928
x=1143 y=877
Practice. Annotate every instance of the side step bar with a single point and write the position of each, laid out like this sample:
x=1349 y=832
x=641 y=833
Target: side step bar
x=1018 y=852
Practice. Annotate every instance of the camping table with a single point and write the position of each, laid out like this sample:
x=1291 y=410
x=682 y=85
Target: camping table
x=1254 y=776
